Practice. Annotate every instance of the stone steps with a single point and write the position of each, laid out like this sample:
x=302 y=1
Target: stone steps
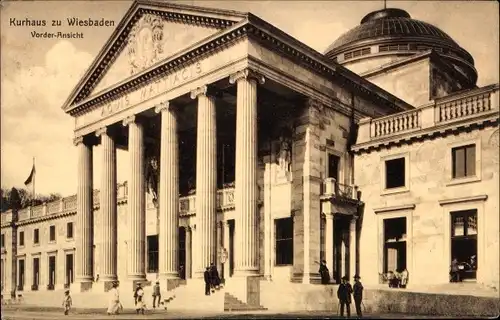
x=231 y=303
x=191 y=297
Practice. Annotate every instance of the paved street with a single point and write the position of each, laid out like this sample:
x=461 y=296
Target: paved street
x=18 y=313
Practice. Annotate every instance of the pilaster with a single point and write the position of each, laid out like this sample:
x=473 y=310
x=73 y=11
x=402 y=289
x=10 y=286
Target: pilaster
x=169 y=195
x=246 y=192
x=189 y=252
x=226 y=246
x=206 y=179
x=136 y=243
x=329 y=236
x=352 y=247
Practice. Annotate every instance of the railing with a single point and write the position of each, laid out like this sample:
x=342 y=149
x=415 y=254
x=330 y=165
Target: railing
x=334 y=188
x=187 y=204
x=442 y=111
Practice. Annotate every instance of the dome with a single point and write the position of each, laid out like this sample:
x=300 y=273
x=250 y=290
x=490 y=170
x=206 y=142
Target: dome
x=391 y=31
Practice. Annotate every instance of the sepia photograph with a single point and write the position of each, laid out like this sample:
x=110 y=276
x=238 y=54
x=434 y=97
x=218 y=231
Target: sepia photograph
x=175 y=159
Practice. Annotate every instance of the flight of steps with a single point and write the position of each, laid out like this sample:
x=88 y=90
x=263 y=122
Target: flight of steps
x=231 y=303
x=191 y=297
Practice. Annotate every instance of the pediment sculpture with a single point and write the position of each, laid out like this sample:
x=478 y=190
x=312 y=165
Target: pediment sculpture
x=284 y=156
x=145 y=43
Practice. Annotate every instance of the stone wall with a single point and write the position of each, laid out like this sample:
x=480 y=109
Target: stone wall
x=427 y=201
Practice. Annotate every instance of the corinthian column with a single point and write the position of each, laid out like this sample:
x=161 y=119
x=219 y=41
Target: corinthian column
x=107 y=204
x=85 y=226
x=169 y=194
x=136 y=201
x=206 y=180
x=246 y=193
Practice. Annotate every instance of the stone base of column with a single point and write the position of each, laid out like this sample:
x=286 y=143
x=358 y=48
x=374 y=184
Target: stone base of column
x=59 y=286
x=103 y=285
x=81 y=285
x=169 y=282
x=312 y=278
x=246 y=273
x=246 y=289
x=198 y=274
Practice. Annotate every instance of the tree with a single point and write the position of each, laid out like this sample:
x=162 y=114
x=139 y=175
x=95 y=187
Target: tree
x=24 y=198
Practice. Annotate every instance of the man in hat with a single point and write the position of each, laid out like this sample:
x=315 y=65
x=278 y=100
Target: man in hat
x=156 y=294
x=208 y=281
x=324 y=273
x=358 y=294
x=67 y=302
x=344 y=295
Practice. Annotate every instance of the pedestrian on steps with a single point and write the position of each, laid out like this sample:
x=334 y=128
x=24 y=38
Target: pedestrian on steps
x=156 y=294
x=208 y=282
x=358 y=295
x=67 y=302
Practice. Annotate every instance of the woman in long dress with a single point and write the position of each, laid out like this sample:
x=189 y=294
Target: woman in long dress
x=114 y=300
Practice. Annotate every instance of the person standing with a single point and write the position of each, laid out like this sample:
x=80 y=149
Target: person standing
x=139 y=299
x=206 y=276
x=156 y=294
x=114 y=300
x=344 y=295
x=214 y=276
x=67 y=302
x=324 y=273
x=358 y=295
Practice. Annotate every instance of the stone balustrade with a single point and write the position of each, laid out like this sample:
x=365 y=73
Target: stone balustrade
x=225 y=199
x=453 y=108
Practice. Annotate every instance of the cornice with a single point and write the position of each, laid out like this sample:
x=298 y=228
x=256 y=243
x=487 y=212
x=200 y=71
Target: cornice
x=47 y=218
x=441 y=130
x=255 y=30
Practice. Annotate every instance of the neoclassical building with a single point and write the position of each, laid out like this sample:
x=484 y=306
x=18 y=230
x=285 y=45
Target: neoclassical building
x=252 y=151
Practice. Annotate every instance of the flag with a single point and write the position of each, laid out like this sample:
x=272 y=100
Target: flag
x=31 y=177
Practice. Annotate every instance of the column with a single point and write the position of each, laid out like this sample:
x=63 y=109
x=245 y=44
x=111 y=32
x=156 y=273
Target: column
x=352 y=248
x=206 y=180
x=84 y=220
x=189 y=252
x=226 y=246
x=246 y=194
x=169 y=194
x=107 y=204
x=219 y=246
x=329 y=234
x=136 y=244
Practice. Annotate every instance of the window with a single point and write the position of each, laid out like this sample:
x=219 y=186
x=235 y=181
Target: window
x=394 y=244
x=69 y=230
x=36 y=236
x=333 y=166
x=152 y=254
x=395 y=173
x=463 y=161
x=464 y=241
x=2 y=240
x=21 y=238
x=284 y=241
x=52 y=233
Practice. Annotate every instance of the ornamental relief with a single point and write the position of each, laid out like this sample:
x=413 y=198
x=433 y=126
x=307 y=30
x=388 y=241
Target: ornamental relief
x=493 y=142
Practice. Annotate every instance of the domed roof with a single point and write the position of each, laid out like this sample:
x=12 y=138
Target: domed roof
x=393 y=32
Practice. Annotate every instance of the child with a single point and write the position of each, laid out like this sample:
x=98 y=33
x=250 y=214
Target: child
x=66 y=302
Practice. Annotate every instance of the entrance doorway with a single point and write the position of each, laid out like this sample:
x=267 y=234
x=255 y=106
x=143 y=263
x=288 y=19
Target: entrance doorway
x=20 y=281
x=464 y=242
x=394 y=245
x=182 y=252
x=231 y=247
x=52 y=272
x=69 y=268
x=36 y=273
x=341 y=247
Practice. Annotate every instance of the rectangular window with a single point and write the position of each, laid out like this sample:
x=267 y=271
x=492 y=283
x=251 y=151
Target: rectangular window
x=69 y=230
x=52 y=233
x=333 y=166
x=463 y=161
x=464 y=242
x=36 y=236
x=395 y=245
x=284 y=241
x=21 y=238
x=2 y=240
x=395 y=173
x=152 y=254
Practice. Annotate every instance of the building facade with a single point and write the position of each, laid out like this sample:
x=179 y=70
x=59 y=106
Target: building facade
x=252 y=151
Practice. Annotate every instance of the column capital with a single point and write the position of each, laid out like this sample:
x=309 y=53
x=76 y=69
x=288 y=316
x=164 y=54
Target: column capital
x=246 y=74
x=199 y=91
x=77 y=140
x=162 y=106
x=129 y=120
x=101 y=131
x=226 y=223
x=329 y=216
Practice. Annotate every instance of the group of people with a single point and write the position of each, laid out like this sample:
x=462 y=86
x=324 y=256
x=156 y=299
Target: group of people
x=345 y=291
x=212 y=279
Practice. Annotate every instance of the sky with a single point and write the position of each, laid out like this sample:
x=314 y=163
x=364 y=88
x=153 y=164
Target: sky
x=37 y=75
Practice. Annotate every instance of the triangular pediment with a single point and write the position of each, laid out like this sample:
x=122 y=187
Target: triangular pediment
x=150 y=32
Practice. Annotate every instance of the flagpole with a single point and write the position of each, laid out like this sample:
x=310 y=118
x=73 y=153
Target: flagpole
x=34 y=178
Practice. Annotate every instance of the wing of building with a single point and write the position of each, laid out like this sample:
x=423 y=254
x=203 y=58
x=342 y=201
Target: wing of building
x=256 y=153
